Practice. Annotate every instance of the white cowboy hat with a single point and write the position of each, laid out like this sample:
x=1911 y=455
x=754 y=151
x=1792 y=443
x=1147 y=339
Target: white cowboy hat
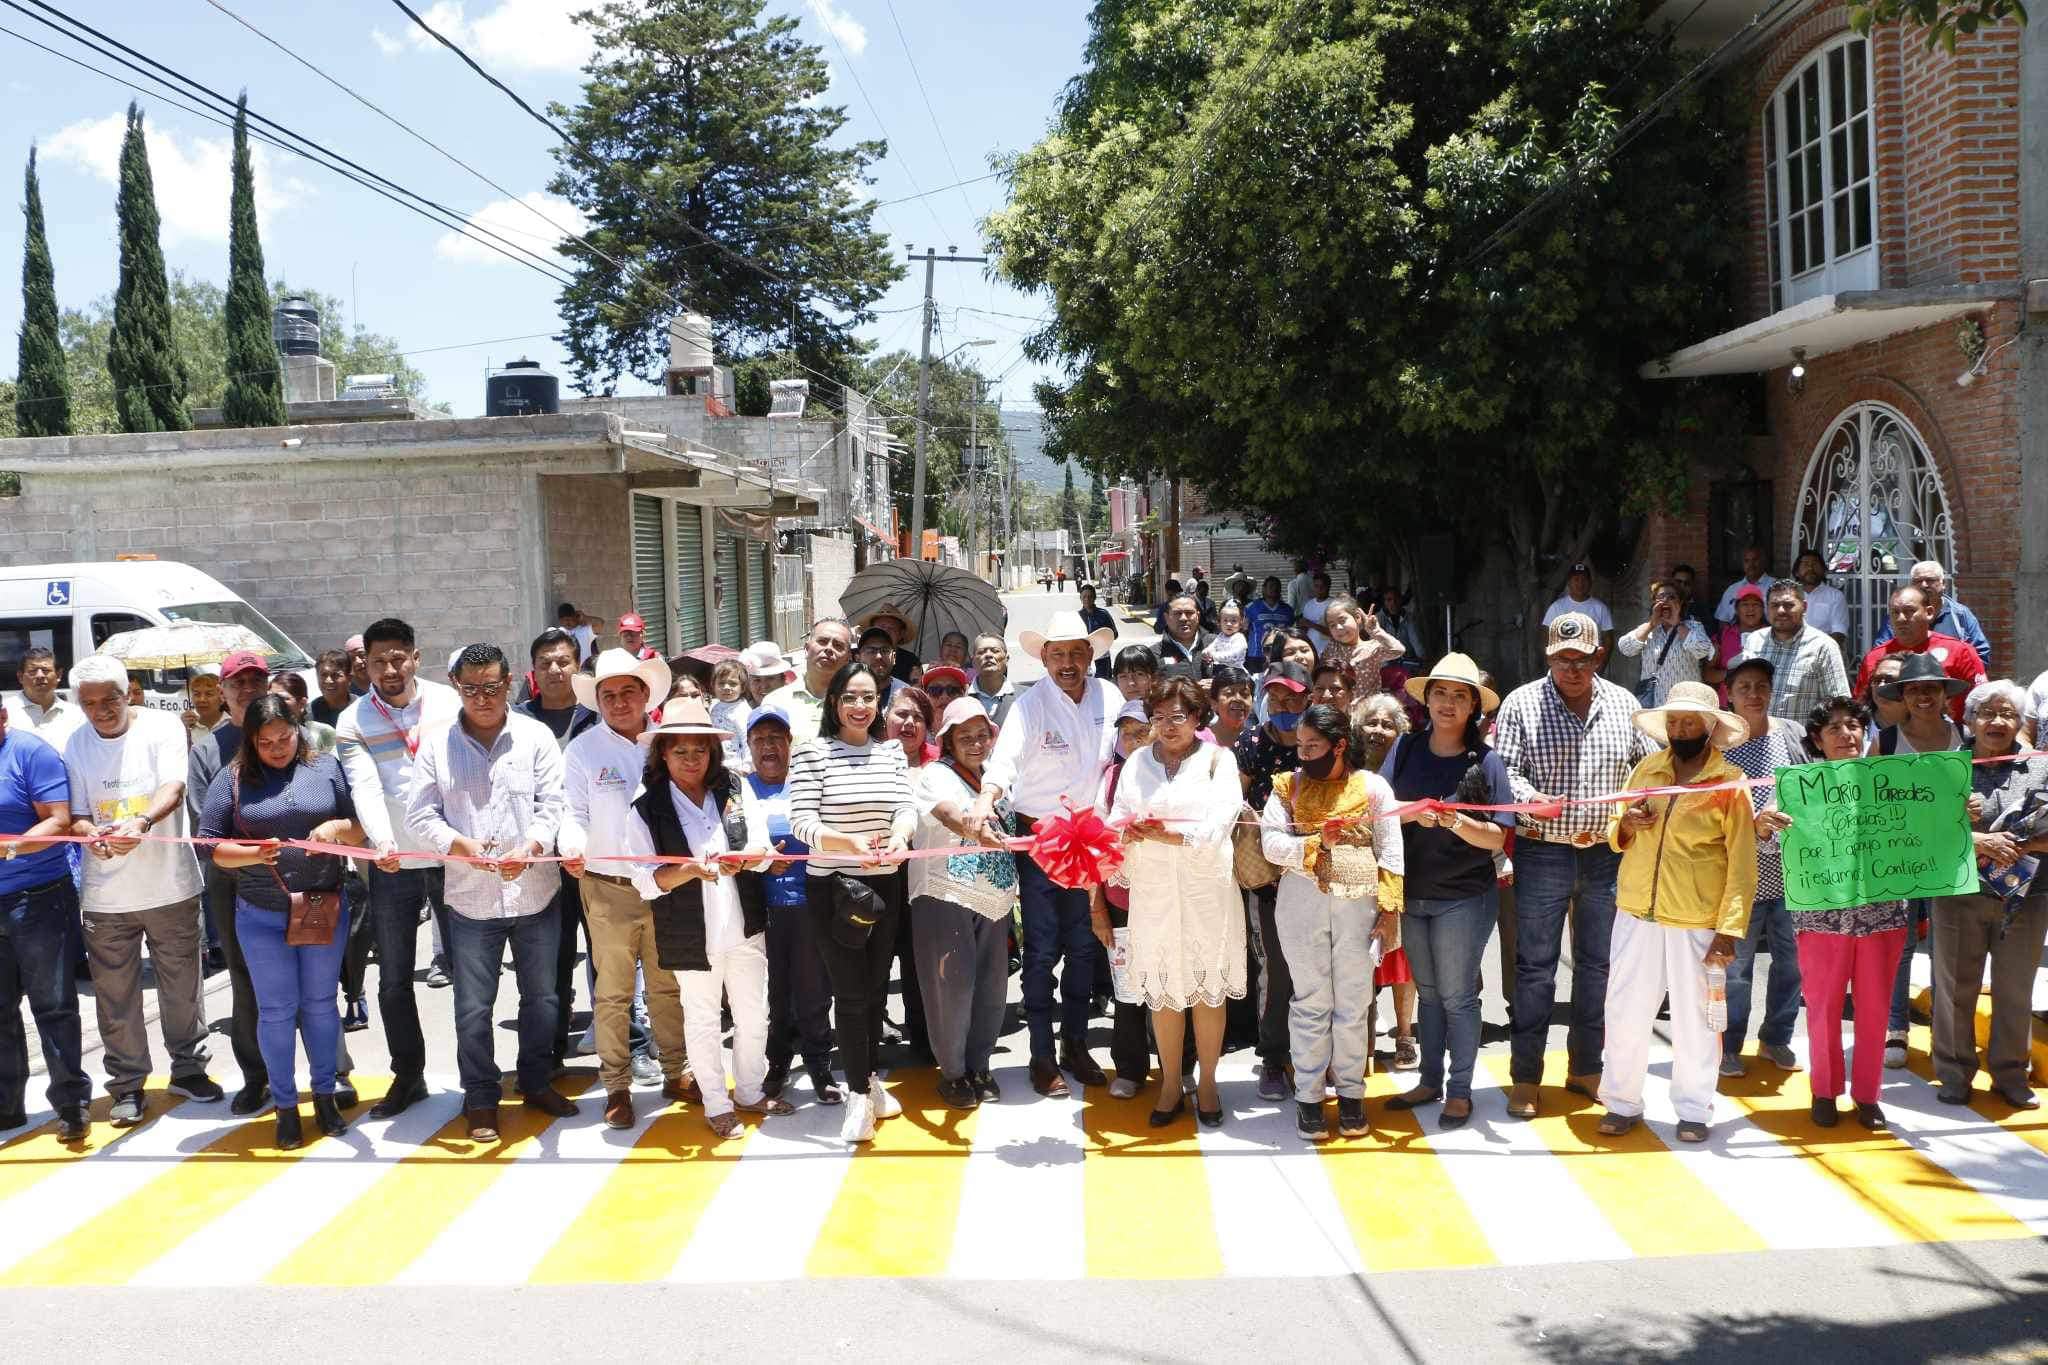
x=1457 y=668
x=617 y=663
x=1065 y=626
x=684 y=716
x=1694 y=698
x=763 y=659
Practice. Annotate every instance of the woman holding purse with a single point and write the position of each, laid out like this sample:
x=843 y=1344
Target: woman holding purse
x=276 y=789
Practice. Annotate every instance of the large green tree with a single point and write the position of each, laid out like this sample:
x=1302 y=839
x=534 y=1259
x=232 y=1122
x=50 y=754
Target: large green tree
x=891 y=380
x=702 y=151
x=255 y=385
x=1268 y=229
x=1943 y=20
x=148 y=374
x=42 y=388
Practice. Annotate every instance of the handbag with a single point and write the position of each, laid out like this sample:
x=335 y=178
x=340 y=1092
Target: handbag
x=856 y=909
x=1646 y=686
x=311 y=917
x=1255 y=871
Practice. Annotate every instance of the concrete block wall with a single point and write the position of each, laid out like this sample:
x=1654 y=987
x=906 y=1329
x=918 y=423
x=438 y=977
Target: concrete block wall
x=788 y=448
x=322 y=553
x=589 y=543
x=831 y=571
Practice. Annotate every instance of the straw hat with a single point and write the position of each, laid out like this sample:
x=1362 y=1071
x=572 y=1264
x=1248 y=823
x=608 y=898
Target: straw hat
x=618 y=663
x=1065 y=626
x=684 y=716
x=1457 y=668
x=1698 y=699
x=888 y=611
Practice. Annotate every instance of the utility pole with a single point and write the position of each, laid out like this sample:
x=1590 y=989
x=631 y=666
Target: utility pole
x=1009 y=488
x=973 y=470
x=924 y=391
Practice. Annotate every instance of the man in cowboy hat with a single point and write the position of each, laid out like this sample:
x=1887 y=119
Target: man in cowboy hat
x=601 y=776
x=890 y=617
x=1688 y=874
x=1912 y=619
x=1564 y=737
x=1049 y=757
x=826 y=650
x=633 y=637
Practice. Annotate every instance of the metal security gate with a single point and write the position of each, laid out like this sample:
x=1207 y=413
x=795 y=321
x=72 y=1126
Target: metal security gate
x=692 y=629
x=789 y=599
x=760 y=566
x=650 y=579
x=731 y=590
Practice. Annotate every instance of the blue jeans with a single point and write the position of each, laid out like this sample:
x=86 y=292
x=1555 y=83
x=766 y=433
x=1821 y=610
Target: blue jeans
x=295 y=989
x=1917 y=912
x=395 y=900
x=1445 y=940
x=476 y=948
x=1768 y=919
x=1055 y=926
x=39 y=939
x=1547 y=878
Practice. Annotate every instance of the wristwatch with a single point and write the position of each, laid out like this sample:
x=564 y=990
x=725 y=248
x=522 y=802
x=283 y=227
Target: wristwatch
x=148 y=822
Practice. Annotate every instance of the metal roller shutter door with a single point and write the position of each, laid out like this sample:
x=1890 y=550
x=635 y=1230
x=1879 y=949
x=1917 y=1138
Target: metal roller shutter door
x=650 y=585
x=692 y=628
x=760 y=577
x=731 y=589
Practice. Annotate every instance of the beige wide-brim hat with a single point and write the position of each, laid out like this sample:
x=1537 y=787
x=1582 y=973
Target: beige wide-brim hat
x=1697 y=699
x=1456 y=668
x=1065 y=626
x=684 y=716
x=888 y=611
x=618 y=663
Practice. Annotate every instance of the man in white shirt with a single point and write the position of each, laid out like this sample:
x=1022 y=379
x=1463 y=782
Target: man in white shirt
x=2037 y=708
x=127 y=770
x=601 y=775
x=488 y=791
x=583 y=628
x=1754 y=574
x=377 y=740
x=1827 y=611
x=1300 y=586
x=826 y=650
x=992 y=685
x=1578 y=596
x=37 y=709
x=1050 y=754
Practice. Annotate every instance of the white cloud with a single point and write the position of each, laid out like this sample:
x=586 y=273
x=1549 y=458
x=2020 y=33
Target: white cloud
x=519 y=221
x=191 y=174
x=840 y=25
x=511 y=35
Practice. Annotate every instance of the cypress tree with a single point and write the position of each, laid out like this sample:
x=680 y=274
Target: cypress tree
x=42 y=388
x=142 y=357
x=255 y=392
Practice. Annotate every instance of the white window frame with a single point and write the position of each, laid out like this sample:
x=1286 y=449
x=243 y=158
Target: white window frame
x=1823 y=151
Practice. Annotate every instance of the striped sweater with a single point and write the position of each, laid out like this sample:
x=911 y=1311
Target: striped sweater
x=859 y=790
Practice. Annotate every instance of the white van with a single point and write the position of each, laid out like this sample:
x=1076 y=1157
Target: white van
x=70 y=609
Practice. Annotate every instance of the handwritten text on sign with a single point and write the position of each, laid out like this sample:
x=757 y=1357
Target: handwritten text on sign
x=1876 y=829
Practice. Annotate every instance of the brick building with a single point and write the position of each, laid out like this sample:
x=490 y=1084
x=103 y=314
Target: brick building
x=1896 y=309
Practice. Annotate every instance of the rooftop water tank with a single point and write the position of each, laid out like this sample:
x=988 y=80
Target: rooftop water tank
x=689 y=343
x=295 y=327
x=521 y=388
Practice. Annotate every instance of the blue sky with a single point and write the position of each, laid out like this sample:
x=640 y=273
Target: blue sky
x=991 y=73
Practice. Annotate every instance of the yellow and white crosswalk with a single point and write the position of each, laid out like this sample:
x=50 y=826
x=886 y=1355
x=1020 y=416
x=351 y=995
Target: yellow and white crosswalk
x=1027 y=1189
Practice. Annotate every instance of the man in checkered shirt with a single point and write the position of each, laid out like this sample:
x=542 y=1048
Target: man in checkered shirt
x=1806 y=661
x=1568 y=736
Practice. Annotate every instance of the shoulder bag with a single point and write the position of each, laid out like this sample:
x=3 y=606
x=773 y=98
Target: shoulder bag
x=312 y=916
x=1255 y=872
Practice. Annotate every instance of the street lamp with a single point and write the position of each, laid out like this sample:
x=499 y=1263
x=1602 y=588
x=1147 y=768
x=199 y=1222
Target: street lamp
x=924 y=403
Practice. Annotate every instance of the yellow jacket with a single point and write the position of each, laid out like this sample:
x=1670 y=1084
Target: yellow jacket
x=1695 y=868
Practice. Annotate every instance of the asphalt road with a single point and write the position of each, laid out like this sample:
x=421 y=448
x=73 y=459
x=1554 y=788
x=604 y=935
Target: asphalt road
x=1926 y=1299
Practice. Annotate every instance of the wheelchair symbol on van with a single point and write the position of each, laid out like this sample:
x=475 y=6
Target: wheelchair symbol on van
x=57 y=593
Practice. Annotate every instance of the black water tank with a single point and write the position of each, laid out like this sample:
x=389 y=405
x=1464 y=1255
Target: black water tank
x=295 y=327
x=521 y=389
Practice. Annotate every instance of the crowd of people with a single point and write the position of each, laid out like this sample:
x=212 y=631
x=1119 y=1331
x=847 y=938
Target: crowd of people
x=753 y=853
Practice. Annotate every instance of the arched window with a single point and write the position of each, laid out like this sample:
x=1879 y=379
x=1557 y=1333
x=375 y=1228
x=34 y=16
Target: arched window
x=1872 y=505
x=1820 y=188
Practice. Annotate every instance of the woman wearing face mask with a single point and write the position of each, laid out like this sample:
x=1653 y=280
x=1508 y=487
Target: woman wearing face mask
x=1264 y=751
x=1328 y=925
x=1450 y=901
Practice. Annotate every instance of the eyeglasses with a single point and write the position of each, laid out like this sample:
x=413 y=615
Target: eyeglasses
x=1570 y=665
x=2004 y=713
x=1172 y=718
x=486 y=691
x=945 y=690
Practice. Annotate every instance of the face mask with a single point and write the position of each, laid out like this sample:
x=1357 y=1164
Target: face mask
x=1689 y=749
x=1320 y=768
x=1284 y=721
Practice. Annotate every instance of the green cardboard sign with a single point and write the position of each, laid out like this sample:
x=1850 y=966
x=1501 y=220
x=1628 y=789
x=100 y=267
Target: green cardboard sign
x=1876 y=829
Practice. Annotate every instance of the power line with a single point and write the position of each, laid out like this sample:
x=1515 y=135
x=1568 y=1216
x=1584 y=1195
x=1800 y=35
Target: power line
x=886 y=139
x=318 y=153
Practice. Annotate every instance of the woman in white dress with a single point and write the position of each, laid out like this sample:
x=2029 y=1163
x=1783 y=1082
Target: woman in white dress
x=1187 y=945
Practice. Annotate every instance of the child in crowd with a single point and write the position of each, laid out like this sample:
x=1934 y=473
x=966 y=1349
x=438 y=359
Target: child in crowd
x=1229 y=644
x=730 y=709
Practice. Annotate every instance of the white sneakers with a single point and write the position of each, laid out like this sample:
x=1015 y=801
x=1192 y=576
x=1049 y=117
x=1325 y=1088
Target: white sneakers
x=859 y=1125
x=887 y=1106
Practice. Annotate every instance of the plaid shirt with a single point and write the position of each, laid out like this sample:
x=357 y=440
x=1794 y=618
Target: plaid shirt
x=1806 y=670
x=1549 y=750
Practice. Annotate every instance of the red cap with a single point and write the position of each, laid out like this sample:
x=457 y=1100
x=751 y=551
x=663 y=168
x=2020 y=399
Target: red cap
x=243 y=661
x=944 y=673
x=631 y=622
x=1749 y=590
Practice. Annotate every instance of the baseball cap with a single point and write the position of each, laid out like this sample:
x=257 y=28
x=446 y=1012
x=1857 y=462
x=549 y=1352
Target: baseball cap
x=1762 y=661
x=630 y=621
x=243 y=661
x=944 y=673
x=1580 y=567
x=1133 y=710
x=768 y=713
x=1749 y=590
x=1573 y=630
x=1288 y=674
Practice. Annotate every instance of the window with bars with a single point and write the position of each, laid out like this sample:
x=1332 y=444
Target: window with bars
x=1820 y=205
